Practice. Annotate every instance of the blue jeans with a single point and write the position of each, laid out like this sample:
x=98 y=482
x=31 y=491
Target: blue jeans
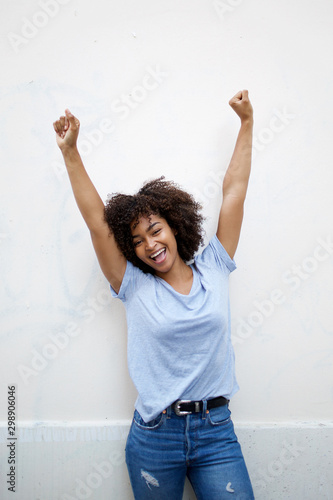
x=202 y=446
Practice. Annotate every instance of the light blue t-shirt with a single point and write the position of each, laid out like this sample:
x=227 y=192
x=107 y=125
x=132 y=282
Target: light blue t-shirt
x=179 y=346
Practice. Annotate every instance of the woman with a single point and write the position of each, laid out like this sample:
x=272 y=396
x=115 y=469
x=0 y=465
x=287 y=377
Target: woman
x=180 y=355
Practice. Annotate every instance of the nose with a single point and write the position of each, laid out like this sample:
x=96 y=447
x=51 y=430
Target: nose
x=150 y=243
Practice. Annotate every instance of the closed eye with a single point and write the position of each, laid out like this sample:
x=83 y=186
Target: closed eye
x=136 y=243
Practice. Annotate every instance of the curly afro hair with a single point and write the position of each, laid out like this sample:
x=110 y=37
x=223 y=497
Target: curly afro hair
x=164 y=199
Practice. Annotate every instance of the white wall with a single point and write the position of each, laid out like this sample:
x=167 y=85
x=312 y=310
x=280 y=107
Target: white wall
x=63 y=339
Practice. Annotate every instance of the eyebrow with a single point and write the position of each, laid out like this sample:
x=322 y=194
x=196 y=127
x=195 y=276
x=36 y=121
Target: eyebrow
x=147 y=230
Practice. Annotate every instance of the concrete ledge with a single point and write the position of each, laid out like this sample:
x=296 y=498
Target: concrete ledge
x=75 y=460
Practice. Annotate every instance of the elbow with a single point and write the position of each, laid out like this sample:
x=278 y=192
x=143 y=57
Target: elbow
x=235 y=192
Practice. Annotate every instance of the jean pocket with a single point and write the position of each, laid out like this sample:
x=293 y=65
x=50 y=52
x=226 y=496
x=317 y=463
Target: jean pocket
x=219 y=416
x=152 y=424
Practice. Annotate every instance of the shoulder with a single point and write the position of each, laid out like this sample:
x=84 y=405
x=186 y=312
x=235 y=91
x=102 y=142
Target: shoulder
x=215 y=256
x=134 y=279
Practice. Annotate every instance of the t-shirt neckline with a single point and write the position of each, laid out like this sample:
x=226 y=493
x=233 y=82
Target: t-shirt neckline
x=193 y=287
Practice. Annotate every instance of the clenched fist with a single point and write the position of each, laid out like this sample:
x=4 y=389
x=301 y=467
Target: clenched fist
x=241 y=104
x=67 y=129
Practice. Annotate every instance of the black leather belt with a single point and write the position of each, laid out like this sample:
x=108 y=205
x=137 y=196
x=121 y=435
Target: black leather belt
x=185 y=407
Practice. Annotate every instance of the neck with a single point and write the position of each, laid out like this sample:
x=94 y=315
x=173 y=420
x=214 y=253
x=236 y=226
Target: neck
x=180 y=276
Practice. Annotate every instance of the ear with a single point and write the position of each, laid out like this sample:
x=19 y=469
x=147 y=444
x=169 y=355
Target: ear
x=175 y=232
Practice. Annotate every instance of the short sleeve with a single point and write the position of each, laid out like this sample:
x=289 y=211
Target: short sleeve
x=216 y=254
x=132 y=280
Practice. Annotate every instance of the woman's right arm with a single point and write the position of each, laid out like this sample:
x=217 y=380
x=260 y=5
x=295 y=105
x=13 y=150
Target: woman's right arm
x=91 y=206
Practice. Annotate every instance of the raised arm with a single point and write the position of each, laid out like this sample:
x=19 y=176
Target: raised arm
x=91 y=206
x=237 y=176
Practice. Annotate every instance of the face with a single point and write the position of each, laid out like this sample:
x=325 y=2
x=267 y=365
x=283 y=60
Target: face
x=155 y=243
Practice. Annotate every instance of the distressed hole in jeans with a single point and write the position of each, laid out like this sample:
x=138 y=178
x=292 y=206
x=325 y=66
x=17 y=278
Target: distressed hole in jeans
x=229 y=488
x=150 y=480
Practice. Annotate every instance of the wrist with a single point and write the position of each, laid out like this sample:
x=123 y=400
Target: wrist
x=248 y=121
x=69 y=151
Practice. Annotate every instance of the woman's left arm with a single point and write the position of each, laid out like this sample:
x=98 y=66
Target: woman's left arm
x=236 y=177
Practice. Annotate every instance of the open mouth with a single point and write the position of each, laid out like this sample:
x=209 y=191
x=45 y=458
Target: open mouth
x=158 y=256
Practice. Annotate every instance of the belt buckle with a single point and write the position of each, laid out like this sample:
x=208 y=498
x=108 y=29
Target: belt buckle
x=178 y=411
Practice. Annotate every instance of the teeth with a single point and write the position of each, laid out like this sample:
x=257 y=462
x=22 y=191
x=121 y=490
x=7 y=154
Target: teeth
x=157 y=253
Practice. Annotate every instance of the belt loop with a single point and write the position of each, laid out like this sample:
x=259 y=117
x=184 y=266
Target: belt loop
x=168 y=411
x=204 y=409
